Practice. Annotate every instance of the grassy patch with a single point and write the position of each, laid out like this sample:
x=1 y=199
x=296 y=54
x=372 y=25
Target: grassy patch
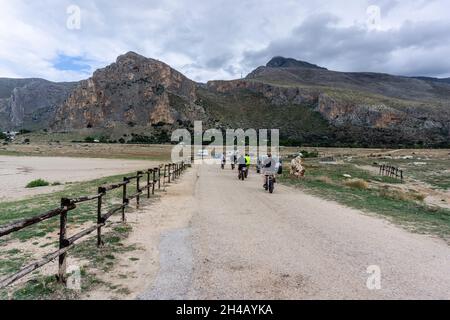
x=432 y=171
x=26 y=208
x=37 y=183
x=48 y=288
x=104 y=258
x=12 y=263
x=404 y=208
x=99 y=259
x=45 y=234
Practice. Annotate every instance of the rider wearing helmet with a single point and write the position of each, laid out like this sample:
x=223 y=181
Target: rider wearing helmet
x=241 y=162
x=267 y=167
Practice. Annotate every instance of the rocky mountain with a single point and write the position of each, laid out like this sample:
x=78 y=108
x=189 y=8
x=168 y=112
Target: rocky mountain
x=369 y=108
x=308 y=103
x=30 y=103
x=133 y=91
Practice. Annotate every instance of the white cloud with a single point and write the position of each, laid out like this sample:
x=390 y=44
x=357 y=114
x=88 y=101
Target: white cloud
x=211 y=39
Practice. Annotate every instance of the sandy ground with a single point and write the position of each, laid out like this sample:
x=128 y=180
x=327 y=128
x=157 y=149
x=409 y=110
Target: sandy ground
x=17 y=172
x=214 y=237
x=89 y=150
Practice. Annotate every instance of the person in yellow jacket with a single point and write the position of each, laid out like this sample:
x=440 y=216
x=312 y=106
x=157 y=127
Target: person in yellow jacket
x=248 y=161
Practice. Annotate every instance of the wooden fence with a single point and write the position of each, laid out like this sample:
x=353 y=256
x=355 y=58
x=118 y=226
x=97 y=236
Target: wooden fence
x=166 y=173
x=390 y=171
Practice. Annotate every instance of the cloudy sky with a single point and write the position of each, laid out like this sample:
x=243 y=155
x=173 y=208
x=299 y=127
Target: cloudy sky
x=221 y=39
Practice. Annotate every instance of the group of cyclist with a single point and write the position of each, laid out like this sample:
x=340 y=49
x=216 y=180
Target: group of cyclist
x=267 y=166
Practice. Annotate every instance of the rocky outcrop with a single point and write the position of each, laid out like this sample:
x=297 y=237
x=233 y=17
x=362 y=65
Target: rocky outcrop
x=276 y=94
x=133 y=91
x=345 y=114
x=30 y=103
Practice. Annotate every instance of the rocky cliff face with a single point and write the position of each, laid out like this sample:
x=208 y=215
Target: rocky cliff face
x=30 y=103
x=133 y=91
x=277 y=95
x=425 y=120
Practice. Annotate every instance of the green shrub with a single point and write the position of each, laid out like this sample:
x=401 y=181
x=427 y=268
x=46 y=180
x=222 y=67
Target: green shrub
x=37 y=183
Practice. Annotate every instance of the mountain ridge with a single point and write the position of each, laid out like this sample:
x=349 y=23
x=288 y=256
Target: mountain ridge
x=282 y=62
x=139 y=94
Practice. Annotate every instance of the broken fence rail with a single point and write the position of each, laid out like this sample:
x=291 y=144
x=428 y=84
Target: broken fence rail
x=167 y=173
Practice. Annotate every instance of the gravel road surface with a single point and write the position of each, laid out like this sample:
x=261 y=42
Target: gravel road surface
x=243 y=243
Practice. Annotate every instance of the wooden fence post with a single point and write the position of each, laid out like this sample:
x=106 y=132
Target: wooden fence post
x=148 y=184
x=159 y=178
x=170 y=167
x=101 y=192
x=62 y=261
x=154 y=180
x=165 y=174
x=174 y=171
x=138 y=189
x=124 y=198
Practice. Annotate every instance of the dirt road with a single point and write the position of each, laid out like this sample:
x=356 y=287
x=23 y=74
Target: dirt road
x=234 y=241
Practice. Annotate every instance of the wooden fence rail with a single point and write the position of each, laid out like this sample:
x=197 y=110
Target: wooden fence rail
x=390 y=171
x=153 y=181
